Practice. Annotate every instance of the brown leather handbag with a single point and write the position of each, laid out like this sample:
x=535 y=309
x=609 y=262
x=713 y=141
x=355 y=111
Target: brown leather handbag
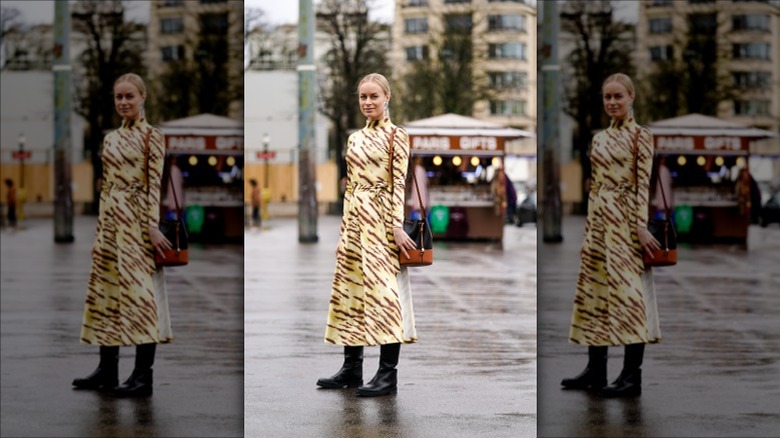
x=173 y=230
x=417 y=229
x=662 y=229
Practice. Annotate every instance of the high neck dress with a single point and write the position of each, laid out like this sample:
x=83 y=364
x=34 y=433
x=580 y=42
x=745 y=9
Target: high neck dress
x=615 y=302
x=371 y=302
x=126 y=301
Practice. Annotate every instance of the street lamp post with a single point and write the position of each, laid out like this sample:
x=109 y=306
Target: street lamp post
x=266 y=141
x=266 y=191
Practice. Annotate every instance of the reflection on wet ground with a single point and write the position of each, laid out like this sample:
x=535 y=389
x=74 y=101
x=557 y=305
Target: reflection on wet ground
x=472 y=373
x=713 y=374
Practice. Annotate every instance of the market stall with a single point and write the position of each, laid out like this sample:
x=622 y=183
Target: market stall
x=711 y=187
x=463 y=162
x=209 y=153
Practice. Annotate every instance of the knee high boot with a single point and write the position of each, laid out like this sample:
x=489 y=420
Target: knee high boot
x=594 y=376
x=386 y=379
x=629 y=382
x=106 y=376
x=139 y=384
x=351 y=373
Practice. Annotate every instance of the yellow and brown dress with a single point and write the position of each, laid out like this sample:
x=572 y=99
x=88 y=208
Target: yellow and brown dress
x=126 y=300
x=615 y=299
x=371 y=302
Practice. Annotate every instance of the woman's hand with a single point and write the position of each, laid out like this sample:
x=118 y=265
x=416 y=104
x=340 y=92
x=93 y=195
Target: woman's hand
x=159 y=242
x=648 y=242
x=403 y=241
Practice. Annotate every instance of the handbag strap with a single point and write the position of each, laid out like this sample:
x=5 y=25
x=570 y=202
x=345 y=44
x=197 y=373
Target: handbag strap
x=414 y=175
x=636 y=176
x=146 y=171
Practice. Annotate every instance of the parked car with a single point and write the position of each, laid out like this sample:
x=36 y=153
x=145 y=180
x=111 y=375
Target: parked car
x=770 y=212
x=526 y=210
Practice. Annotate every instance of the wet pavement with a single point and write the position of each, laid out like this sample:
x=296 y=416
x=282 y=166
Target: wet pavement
x=472 y=373
x=715 y=372
x=198 y=388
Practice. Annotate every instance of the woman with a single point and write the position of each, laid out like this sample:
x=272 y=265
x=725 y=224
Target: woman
x=615 y=298
x=371 y=301
x=126 y=301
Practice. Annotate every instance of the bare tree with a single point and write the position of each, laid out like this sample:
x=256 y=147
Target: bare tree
x=355 y=50
x=602 y=46
x=113 y=46
x=445 y=80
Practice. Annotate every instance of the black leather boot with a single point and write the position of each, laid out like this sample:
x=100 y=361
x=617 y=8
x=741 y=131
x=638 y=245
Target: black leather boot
x=139 y=384
x=629 y=382
x=594 y=376
x=106 y=376
x=386 y=379
x=351 y=373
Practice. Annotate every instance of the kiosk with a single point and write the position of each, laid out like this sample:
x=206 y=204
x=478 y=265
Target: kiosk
x=209 y=151
x=708 y=160
x=463 y=159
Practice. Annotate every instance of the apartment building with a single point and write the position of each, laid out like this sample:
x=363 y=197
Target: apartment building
x=208 y=32
x=747 y=34
x=504 y=42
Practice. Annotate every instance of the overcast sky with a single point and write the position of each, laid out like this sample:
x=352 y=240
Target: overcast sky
x=286 y=11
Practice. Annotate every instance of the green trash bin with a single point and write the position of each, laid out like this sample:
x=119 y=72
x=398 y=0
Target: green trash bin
x=440 y=218
x=195 y=216
x=683 y=218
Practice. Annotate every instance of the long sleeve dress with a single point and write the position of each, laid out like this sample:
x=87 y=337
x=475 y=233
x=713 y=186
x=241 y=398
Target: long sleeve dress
x=615 y=302
x=126 y=301
x=371 y=302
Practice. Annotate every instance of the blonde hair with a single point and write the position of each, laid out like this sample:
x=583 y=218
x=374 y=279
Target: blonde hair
x=378 y=79
x=623 y=80
x=133 y=79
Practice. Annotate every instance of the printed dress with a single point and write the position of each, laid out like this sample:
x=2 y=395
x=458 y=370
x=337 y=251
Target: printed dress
x=126 y=300
x=371 y=301
x=615 y=299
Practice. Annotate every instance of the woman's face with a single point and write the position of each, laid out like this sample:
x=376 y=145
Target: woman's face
x=372 y=100
x=617 y=100
x=127 y=100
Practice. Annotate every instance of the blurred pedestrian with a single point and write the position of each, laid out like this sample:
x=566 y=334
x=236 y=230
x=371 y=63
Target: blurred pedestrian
x=615 y=297
x=126 y=300
x=255 y=196
x=413 y=200
x=663 y=180
x=177 y=184
x=511 y=199
x=10 y=201
x=371 y=301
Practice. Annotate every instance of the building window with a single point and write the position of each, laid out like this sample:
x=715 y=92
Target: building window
x=507 y=107
x=752 y=79
x=170 y=3
x=172 y=53
x=503 y=80
x=750 y=22
x=450 y=2
x=528 y=2
x=416 y=53
x=171 y=25
x=416 y=25
x=458 y=23
x=417 y=3
x=703 y=24
x=661 y=53
x=660 y=25
x=751 y=51
x=507 y=51
x=751 y=107
x=694 y=2
x=506 y=22
x=208 y=2
x=661 y=3
x=214 y=24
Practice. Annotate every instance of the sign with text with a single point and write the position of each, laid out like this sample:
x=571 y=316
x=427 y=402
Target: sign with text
x=195 y=143
x=691 y=143
x=456 y=143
